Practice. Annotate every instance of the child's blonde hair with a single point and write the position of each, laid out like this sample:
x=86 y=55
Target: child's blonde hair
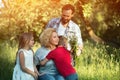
x=62 y=41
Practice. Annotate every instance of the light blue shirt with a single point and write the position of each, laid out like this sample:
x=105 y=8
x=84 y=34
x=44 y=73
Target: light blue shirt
x=70 y=31
x=49 y=67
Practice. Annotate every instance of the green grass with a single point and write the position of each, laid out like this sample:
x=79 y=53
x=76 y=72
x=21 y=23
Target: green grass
x=7 y=59
x=97 y=62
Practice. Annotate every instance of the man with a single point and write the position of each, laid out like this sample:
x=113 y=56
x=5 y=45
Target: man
x=66 y=27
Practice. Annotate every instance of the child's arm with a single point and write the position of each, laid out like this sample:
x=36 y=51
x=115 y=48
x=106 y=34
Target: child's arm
x=22 y=65
x=35 y=70
x=43 y=62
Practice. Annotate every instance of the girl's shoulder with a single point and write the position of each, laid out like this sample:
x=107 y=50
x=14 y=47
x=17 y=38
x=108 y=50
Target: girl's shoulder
x=25 y=51
x=21 y=50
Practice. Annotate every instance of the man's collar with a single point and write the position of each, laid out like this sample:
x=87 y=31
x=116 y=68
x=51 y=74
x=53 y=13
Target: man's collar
x=69 y=24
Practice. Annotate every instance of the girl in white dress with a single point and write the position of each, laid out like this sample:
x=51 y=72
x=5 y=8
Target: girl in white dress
x=24 y=68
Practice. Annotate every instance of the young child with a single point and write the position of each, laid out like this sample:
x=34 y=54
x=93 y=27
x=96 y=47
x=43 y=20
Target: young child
x=61 y=57
x=24 y=68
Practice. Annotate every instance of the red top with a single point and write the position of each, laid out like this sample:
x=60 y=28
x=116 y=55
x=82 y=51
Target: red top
x=62 y=59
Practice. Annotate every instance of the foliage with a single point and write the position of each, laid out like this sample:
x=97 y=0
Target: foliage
x=73 y=43
x=105 y=19
x=102 y=16
x=19 y=16
x=113 y=22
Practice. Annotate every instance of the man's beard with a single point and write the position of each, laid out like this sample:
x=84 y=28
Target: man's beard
x=64 y=21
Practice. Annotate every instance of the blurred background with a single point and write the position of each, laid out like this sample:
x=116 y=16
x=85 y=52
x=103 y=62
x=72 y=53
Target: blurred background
x=99 y=21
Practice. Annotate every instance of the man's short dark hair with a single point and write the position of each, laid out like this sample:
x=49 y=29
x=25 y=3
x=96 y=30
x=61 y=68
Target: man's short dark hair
x=68 y=7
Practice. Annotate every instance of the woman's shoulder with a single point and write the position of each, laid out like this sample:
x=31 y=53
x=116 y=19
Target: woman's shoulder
x=41 y=50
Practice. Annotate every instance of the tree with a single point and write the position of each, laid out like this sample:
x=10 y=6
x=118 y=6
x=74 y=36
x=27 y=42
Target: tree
x=98 y=18
x=85 y=20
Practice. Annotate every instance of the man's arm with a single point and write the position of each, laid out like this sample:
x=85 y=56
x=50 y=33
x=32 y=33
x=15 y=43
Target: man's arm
x=80 y=42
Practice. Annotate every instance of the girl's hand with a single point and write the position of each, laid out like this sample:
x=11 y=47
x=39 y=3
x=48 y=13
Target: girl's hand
x=35 y=75
x=37 y=72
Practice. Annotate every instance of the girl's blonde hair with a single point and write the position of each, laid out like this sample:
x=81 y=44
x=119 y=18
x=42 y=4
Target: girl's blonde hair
x=45 y=37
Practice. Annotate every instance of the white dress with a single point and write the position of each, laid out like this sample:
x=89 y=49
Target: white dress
x=18 y=74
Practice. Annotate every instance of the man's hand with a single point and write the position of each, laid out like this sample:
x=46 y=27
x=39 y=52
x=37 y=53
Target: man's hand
x=79 y=50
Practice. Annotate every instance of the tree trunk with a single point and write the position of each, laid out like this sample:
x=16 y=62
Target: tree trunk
x=91 y=33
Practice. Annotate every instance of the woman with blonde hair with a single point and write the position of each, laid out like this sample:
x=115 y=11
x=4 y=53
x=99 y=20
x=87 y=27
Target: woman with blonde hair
x=48 y=40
